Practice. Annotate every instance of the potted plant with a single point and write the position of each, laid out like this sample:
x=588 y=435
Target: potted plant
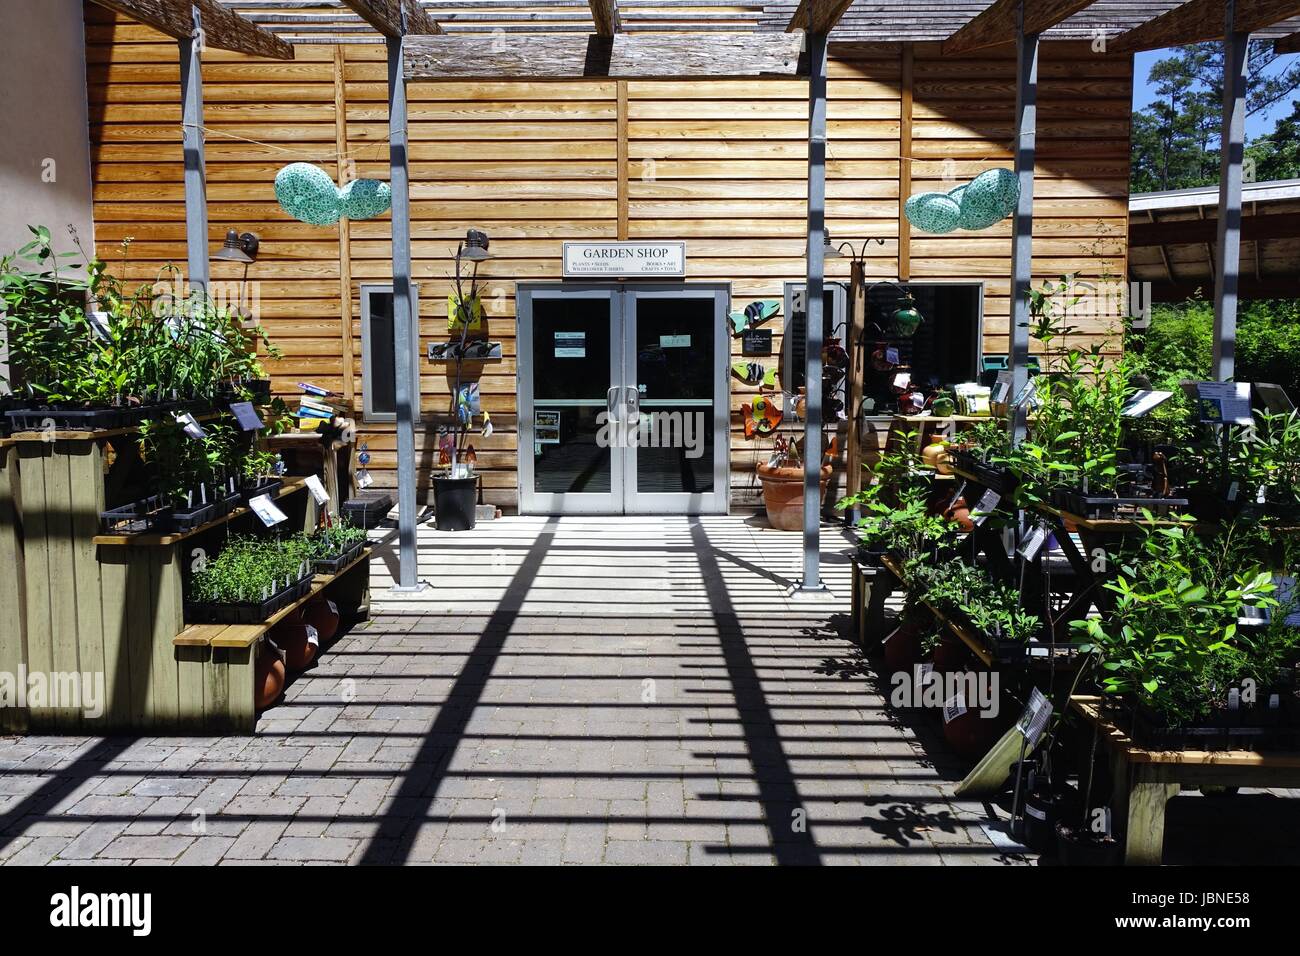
x=783 y=485
x=335 y=546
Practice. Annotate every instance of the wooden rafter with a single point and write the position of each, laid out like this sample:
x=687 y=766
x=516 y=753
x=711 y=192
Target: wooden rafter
x=605 y=15
x=1290 y=44
x=623 y=56
x=1199 y=20
x=222 y=29
x=997 y=24
x=817 y=16
x=386 y=16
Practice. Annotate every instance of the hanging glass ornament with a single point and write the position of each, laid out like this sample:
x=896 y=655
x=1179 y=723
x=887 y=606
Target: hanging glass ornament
x=365 y=198
x=932 y=212
x=307 y=193
x=989 y=198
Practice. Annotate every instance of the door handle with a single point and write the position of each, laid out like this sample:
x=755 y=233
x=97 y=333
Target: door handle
x=610 y=400
x=633 y=405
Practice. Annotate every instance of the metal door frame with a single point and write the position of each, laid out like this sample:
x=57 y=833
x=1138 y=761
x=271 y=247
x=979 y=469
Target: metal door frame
x=718 y=500
x=532 y=501
x=623 y=499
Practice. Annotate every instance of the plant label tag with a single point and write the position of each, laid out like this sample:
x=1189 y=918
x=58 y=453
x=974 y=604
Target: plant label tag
x=953 y=708
x=1001 y=388
x=313 y=636
x=987 y=504
x=891 y=356
x=364 y=480
x=317 y=489
x=1037 y=713
x=1232 y=491
x=265 y=509
x=1234 y=699
x=902 y=380
x=190 y=425
x=1224 y=403
x=246 y=415
x=1034 y=541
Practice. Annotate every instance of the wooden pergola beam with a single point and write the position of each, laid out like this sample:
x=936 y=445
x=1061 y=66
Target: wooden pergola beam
x=605 y=15
x=1289 y=44
x=817 y=16
x=623 y=56
x=1199 y=20
x=222 y=29
x=386 y=16
x=998 y=23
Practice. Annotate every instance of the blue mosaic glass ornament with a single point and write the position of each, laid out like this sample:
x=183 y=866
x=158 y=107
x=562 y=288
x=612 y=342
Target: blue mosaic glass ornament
x=365 y=198
x=307 y=193
x=932 y=212
x=989 y=198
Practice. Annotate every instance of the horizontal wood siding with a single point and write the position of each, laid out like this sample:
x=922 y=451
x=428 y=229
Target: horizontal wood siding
x=721 y=164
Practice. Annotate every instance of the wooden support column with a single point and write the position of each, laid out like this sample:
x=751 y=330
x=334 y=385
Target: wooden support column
x=623 y=174
x=196 y=190
x=857 y=367
x=1022 y=255
x=1232 y=150
x=344 y=171
x=407 y=388
x=905 y=162
x=813 y=308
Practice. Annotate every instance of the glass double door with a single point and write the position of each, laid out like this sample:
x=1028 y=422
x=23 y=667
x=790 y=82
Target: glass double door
x=623 y=399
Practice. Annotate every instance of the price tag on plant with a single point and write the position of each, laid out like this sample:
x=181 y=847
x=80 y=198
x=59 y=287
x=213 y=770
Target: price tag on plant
x=953 y=708
x=246 y=415
x=1034 y=541
x=317 y=489
x=266 y=509
x=987 y=504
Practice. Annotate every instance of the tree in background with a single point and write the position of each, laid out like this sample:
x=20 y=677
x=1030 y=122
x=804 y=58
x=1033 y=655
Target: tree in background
x=1176 y=138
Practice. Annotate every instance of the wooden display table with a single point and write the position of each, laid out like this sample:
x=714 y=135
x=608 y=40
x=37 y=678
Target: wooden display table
x=1146 y=779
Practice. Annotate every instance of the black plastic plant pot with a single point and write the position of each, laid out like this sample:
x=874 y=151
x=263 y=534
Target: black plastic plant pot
x=207 y=612
x=1037 y=826
x=1078 y=846
x=994 y=477
x=455 y=503
x=263 y=486
x=228 y=501
x=871 y=556
x=138 y=517
x=336 y=564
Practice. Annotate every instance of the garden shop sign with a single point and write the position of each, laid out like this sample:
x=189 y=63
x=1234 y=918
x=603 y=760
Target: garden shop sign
x=629 y=260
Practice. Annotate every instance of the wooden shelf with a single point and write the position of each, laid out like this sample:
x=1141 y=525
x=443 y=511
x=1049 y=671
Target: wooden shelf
x=246 y=635
x=1090 y=709
x=916 y=419
x=67 y=435
x=161 y=540
x=971 y=640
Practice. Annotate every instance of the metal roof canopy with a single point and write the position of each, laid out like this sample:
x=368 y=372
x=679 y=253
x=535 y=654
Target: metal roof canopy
x=268 y=27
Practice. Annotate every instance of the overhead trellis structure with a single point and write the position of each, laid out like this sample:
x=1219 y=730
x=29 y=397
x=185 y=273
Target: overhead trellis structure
x=561 y=39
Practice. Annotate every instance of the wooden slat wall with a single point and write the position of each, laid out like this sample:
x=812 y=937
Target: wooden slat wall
x=721 y=164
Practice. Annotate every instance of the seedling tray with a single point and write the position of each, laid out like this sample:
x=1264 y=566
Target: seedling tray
x=147 y=514
x=187 y=518
x=995 y=477
x=79 y=419
x=207 y=612
x=367 y=512
x=1246 y=729
x=1038 y=653
x=1109 y=506
x=336 y=564
x=263 y=487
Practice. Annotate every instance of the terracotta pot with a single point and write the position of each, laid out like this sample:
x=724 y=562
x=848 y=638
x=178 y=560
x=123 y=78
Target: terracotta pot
x=322 y=614
x=268 y=677
x=903 y=649
x=299 y=643
x=959 y=512
x=783 y=494
x=951 y=655
x=971 y=735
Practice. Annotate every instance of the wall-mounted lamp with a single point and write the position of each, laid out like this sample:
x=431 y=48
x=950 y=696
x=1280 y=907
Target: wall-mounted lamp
x=475 y=247
x=239 y=247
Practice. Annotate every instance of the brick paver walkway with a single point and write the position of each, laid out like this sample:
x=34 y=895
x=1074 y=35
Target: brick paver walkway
x=622 y=691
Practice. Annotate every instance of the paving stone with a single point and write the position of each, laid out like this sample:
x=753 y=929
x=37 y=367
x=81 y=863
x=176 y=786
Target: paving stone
x=145 y=847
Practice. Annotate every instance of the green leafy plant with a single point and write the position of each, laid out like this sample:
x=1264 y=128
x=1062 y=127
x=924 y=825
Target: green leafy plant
x=331 y=541
x=249 y=570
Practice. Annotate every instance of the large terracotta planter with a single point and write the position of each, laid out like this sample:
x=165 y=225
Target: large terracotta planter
x=783 y=494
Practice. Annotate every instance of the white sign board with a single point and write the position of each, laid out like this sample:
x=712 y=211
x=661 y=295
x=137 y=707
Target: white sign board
x=626 y=259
